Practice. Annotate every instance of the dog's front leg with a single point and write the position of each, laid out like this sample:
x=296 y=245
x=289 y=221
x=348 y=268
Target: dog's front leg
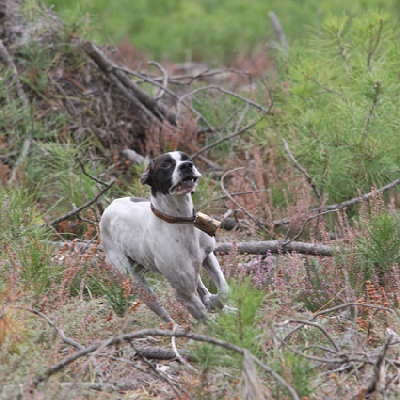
x=213 y=269
x=146 y=293
x=203 y=292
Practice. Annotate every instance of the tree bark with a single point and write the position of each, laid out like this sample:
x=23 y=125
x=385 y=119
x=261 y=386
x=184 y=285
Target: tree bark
x=278 y=247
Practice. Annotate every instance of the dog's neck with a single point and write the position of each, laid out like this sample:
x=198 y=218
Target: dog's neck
x=174 y=205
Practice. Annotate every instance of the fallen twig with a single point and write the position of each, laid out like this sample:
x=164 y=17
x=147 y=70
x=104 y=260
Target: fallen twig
x=251 y=247
x=94 y=347
x=378 y=383
x=66 y=339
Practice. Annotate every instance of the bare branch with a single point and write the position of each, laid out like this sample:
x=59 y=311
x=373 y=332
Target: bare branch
x=154 y=81
x=165 y=78
x=82 y=207
x=7 y=59
x=65 y=338
x=91 y=176
x=153 y=110
x=115 y=340
x=230 y=137
x=345 y=204
x=310 y=180
x=278 y=30
x=311 y=217
x=251 y=216
x=378 y=383
x=230 y=93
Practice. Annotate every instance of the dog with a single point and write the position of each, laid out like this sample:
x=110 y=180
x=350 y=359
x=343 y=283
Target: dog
x=159 y=235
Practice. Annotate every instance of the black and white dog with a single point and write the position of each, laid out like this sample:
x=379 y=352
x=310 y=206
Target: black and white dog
x=158 y=235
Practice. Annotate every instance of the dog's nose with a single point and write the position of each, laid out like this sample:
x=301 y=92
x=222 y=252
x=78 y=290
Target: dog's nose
x=186 y=166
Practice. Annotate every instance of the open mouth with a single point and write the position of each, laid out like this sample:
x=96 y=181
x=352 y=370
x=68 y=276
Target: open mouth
x=186 y=185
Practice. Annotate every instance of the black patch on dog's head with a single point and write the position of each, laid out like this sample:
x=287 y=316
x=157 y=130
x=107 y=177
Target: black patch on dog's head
x=159 y=173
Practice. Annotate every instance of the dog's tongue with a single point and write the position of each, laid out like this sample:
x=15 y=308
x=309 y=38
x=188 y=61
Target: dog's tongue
x=185 y=187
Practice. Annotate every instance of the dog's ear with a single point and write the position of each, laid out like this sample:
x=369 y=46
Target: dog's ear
x=146 y=178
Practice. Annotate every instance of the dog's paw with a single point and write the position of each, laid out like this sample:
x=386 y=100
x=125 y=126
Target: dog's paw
x=228 y=309
x=206 y=300
x=215 y=302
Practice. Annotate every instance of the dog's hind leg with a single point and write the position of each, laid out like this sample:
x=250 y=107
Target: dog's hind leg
x=193 y=304
x=145 y=292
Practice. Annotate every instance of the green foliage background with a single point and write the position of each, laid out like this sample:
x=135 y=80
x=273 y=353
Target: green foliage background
x=341 y=115
x=186 y=30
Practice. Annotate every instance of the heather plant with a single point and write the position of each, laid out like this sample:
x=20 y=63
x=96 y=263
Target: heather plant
x=101 y=281
x=322 y=284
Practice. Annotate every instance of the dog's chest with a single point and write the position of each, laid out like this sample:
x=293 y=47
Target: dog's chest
x=180 y=245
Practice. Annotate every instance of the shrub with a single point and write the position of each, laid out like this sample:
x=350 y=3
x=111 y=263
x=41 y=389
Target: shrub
x=23 y=247
x=377 y=246
x=341 y=113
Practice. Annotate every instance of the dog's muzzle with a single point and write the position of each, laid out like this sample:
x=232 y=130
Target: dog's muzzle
x=186 y=185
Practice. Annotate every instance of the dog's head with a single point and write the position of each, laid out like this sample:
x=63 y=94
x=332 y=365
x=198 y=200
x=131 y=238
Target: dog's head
x=171 y=173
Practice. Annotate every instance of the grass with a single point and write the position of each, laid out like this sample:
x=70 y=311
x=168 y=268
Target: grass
x=202 y=30
x=291 y=309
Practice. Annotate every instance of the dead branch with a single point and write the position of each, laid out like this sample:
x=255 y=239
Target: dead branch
x=164 y=89
x=163 y=353
x=238 y=132
x=7 y=59
x=344 y=204
x=67 y=340
x=161 y=374
x=252 y=103
x=278 y=31
x=315 y=325
x=278 y=247
x=115 y=340
x=133 y=156
x=251 y=247
x=310 y=180
x=378 y=383
x=311 y=217
x=339 y=307
x=151 y=107
x=165 y=78
x=77 y=210
x=251 y=216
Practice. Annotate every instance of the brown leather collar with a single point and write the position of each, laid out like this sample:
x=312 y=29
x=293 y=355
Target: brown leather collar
x=173 y=220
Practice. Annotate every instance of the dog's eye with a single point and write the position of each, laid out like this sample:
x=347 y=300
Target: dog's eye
x=165 y=164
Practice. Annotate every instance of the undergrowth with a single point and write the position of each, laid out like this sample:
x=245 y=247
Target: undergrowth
x=337 y=110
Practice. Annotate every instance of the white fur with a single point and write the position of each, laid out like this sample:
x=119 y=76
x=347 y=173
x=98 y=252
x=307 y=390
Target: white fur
x=131 y=232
